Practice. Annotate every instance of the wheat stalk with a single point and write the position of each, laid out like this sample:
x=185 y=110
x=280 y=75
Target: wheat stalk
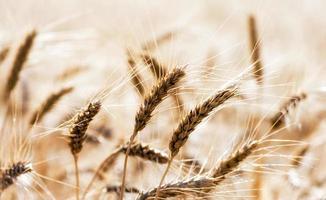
x=136 y=79
x=20 y=59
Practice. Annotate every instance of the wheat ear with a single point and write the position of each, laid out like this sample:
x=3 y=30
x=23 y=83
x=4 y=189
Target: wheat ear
x=194 y=117
x=279 y=118
x=156 y=96
x=49 y=104
x=20 y=59
x=10 y=175
x=136 y=79
x=77 y=133
x=258 y=70
x=159 y=71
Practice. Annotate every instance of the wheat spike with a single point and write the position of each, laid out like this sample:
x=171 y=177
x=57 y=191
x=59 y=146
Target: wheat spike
x=77 y=134
x=232 y=162
x=190 y=121
x=136 y=79
x=80 y=122
x=156 y=96
x=10 y=175
x=279 y=118
x=195 y=116
x=146 y=152
x=20 y=59
x=160 y=71
x=49 y=104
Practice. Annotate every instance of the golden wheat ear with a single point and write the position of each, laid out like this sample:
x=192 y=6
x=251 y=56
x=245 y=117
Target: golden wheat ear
x=146 y=152
x=19 y=61
x=192 y=119
x=77 y=133
x=136 y=78
x=159 y=71
x=279 y=118
x=48 y=104
x=10 y=174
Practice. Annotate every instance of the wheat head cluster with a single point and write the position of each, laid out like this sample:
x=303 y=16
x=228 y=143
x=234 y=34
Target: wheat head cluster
x=211 y=104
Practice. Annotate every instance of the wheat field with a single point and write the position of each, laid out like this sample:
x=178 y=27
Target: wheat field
x=108 y=99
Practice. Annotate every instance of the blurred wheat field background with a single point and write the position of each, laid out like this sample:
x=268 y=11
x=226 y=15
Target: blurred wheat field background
x=162 y=99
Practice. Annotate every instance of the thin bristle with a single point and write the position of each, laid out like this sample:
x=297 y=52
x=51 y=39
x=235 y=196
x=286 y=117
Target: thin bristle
x=258 y=70
x=279 y=118
x=80 y=122
x=146 y=152
x=136 y=79
x=20 y=59
x=195 y=116
x=10 y=175
x=48 y=105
